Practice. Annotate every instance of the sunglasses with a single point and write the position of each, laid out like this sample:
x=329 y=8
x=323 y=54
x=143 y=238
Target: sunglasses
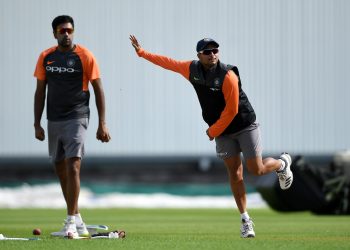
x=209 y=51
x=63 y=31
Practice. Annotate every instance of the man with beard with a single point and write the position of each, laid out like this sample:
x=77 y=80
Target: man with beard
x=66 y=70
x=230 y=117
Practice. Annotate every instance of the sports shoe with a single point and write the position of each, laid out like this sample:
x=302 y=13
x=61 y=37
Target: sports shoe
x=60 y=233
x=68 y=227
x=82 y=230
x=71 y=229
x=285 y=176
x=247 y=230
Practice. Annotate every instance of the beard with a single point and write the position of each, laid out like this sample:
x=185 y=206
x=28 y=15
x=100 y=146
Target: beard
x=65 y=43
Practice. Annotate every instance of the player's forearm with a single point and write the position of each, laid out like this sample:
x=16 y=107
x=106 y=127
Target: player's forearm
x=217 y=128
x=39 y=103
x=159 y=60
x=168 y=63
x=231 y=94
x=100 y=105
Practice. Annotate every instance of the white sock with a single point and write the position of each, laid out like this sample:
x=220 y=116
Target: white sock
x=78 y=219
x=71 y=218
x=283 y=164
x=245 y=216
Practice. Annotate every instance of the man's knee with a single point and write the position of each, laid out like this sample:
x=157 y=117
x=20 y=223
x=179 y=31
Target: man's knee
x=60 y=168
x=255 y=166
x=74 y=161
x=235 y=179
x=74 y=165
x=257 y=171
x=235 y=173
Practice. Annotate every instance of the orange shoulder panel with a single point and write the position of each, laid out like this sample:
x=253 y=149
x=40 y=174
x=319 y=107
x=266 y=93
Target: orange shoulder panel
x=91 y=70
x=40 y=72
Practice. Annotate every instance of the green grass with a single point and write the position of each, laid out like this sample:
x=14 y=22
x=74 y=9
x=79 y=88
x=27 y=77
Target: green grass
x=160 y=229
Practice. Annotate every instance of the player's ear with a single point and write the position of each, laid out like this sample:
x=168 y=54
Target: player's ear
x=54 y=34
x=198 y=55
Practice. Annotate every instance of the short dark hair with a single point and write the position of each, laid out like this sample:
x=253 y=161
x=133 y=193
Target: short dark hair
x=61 y=19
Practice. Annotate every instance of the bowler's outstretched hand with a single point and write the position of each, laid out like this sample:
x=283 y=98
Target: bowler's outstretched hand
x=135 y=43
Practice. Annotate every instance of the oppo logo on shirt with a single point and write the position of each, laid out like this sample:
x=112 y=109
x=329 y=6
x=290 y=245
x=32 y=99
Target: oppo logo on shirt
x=60 y=69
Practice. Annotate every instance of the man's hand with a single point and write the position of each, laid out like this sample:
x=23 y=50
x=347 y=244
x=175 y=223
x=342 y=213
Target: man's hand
x=102 y=133
x=210 y=138
x=135 y=43
x=39 y=133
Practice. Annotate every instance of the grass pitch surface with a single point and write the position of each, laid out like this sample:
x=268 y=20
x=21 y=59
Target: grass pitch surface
x=160 y=229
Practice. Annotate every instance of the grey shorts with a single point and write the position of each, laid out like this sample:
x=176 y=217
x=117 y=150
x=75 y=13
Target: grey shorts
x=66 y=138
x=247 y=141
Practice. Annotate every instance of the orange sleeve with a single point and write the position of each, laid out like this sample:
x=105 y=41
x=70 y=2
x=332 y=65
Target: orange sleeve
x=92 y=69
x=181 y=67
x=231 y=94
x=39 y=72
x=90 y=66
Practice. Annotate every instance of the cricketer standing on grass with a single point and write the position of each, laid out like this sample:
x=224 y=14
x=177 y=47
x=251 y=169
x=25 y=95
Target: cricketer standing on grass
x=66 y=70
x=230 y=117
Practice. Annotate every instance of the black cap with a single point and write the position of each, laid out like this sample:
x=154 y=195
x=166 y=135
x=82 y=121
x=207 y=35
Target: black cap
x=202 y=44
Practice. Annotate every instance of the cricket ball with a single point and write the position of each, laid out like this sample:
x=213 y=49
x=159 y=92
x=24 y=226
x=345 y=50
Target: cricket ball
x=36 y=231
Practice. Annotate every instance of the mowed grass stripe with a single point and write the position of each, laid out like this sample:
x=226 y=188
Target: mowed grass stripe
x=160 y=229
